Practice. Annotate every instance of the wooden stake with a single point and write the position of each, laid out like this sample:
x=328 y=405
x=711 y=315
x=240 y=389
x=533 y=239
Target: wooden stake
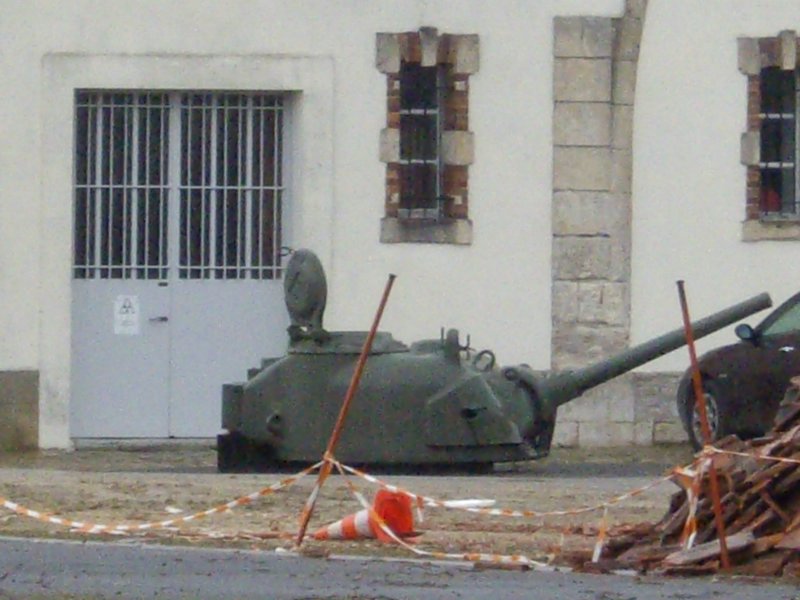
x=326 y=467
x=700 y=400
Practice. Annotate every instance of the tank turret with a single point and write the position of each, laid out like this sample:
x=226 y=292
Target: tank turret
x=435 y=402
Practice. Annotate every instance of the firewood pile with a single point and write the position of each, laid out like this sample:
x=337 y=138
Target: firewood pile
x=759 y=486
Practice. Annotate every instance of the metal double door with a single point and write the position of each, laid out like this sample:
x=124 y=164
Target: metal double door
x=149 y=359
x=176 y=284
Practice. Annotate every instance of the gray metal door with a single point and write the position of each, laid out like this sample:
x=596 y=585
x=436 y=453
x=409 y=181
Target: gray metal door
x=177 y=265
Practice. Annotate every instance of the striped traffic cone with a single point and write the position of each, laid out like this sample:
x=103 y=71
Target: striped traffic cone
x=393 y=508
x=357 y=526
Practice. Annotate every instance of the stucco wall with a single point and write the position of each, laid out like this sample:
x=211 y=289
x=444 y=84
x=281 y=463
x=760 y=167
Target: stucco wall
x=497 y=289
x=688 y=183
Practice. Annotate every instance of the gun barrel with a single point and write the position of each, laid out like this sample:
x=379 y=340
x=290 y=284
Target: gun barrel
x=563 y=387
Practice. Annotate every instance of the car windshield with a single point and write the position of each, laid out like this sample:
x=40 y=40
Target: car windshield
x=788 y=322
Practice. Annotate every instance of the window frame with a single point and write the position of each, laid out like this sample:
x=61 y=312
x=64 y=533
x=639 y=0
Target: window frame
x=782 y=120
x=414 y=205
x=443 y=216
x=758 y=57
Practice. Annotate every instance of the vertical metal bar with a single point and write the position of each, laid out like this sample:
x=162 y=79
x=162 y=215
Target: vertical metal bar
x=169 y=153
x=241 y=197
x=207 y=240
x=168 y=178
x=249 y=183
x=172 y=185
x=786 y=158
x=125 y=191
x=98 y=195
x=225 y=187
x=195 y=184
x=277 y=125
x=279 y=113
x=237 y=116
x=204 y=194
x=440 y=91
x=700 y=401
x=213 y=189
x=165 y=152
x=89 y=193
x=261 y=191
x=110 y=185
x=146 y=190
x=135 y=195
x=160 y=245
x=185 y=187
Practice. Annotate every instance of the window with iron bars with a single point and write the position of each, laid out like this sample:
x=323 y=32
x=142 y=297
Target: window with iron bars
x=427 y=145
x=192 y=176
x=421 y=94
x=777 y=164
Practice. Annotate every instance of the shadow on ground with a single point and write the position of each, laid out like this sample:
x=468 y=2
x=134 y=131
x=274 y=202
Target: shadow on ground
x=200 y=457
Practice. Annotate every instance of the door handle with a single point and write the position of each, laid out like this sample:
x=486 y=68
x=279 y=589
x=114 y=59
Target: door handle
x=162 y=319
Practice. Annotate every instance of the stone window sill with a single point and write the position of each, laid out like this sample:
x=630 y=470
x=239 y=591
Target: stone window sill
x=410 y=231
x=770 y=230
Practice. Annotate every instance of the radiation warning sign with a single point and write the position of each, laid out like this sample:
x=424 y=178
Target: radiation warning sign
x=126 y=315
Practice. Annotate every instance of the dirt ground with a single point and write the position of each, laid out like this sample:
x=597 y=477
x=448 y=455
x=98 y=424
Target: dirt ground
x=133 y=484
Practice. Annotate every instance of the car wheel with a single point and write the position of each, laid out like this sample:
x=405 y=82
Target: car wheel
x=717 y=413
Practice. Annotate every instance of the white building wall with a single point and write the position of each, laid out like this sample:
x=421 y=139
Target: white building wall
x=688 y=183
x=498 y=288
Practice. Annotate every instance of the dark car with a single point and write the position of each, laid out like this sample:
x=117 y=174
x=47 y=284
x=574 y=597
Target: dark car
x=745 y=382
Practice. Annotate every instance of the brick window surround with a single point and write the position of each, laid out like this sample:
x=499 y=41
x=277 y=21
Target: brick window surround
x=765 y=61
x=457 y=57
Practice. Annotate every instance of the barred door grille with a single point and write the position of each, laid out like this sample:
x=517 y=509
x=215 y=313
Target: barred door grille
x=218 y=154
x=121 y=186
x=230 y=186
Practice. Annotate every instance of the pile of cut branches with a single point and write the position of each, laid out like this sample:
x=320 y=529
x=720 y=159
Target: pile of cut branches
x=759 y=483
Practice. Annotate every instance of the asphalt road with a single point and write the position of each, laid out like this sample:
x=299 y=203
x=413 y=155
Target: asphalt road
x=63 y=570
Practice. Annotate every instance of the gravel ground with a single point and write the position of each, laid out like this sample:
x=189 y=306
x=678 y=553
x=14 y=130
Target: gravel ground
x=135 y=483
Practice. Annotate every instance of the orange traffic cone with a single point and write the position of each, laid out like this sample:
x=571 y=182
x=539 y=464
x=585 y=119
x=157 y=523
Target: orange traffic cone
x=393 y=508
x=357 y=526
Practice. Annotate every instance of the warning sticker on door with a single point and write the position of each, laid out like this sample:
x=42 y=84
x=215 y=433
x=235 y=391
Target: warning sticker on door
x=126 y=315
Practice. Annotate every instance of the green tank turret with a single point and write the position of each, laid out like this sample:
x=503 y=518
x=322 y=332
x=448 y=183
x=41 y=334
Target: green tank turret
x=434 y=402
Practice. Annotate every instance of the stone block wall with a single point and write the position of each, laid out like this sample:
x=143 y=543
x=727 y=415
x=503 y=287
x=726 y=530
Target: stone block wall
x=594 y=85
x=636 y=409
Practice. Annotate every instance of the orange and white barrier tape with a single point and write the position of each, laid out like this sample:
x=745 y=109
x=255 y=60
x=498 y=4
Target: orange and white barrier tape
x=428 y=501
x=602 y=530
x=690 y=480
x=762 y=452
x=474 y=557
x=394 y=509
x=311 y=501
x=125 y=528
x=714 y=450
